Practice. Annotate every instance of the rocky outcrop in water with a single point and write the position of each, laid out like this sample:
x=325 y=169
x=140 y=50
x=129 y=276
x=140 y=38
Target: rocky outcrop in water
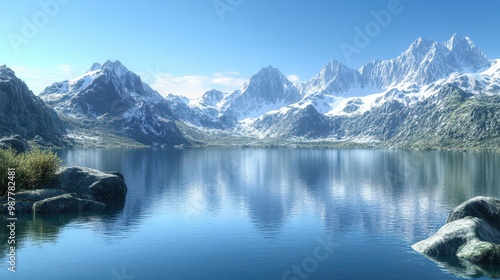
x=471 y=233
x=73 y=190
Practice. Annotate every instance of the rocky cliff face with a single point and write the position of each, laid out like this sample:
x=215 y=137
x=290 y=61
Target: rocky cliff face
x=24 y=114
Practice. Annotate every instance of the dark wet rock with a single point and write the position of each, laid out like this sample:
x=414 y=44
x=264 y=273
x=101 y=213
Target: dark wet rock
x=66 y=203
x=471 y=233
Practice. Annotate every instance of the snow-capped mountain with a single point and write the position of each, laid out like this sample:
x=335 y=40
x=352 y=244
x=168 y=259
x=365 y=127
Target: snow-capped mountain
x=201 y=114
x=116 y=100
x=104 y=89
x=387 y=87
x=424 y=62
x=337 y=79
x=23 y=113
x=267 y=90
x=293 y=122
x=209 y=99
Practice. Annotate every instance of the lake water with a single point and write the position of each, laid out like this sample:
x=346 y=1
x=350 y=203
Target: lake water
x=258 y=214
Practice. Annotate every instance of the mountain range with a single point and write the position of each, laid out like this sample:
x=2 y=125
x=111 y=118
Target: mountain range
x=437 y=95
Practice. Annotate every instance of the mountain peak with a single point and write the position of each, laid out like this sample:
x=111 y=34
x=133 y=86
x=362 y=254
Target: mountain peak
x=6 y=73
x=421 y=45
x=96 y=66
x=112 y=64
x=269 y=70
x=115 y=66
x=265 y=91
x=334 y=62
x=333 y=66
x=211 y=97
x=268 y=73
x=459 y=41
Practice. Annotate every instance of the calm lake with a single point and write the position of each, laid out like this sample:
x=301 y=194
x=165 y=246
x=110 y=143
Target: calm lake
x=245 y=213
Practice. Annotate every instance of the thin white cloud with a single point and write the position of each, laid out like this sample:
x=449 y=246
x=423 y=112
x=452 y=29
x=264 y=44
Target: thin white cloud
x=65 y=68
x=293 y=78
x=38 y=79
x=193 y=86
x=229 y=79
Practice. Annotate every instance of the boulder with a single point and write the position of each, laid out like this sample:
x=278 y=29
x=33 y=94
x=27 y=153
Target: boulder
x=73 y=189
x=471 y=233
x=66 y=203
x=26 y=199
x=486 y=208
x=102 y=187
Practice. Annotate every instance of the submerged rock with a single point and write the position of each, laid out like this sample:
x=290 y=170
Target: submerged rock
x=73 y=189
x=471 y=233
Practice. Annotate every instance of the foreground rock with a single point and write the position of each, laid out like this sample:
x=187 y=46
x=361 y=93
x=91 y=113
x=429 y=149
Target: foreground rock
x=73 y=190
x=471 y=233
x=91 y=184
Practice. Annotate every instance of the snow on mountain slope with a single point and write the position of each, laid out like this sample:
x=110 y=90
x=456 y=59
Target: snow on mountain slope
x=115 y=100
x=267 y=90
x=105 y=87
x=486 y=82
x=424 y=62
x=417 y=73
x=208 y=99
x=192 y=112
x=338 y=79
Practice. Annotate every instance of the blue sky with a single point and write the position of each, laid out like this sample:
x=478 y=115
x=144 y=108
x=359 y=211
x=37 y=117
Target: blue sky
x=187 y=46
